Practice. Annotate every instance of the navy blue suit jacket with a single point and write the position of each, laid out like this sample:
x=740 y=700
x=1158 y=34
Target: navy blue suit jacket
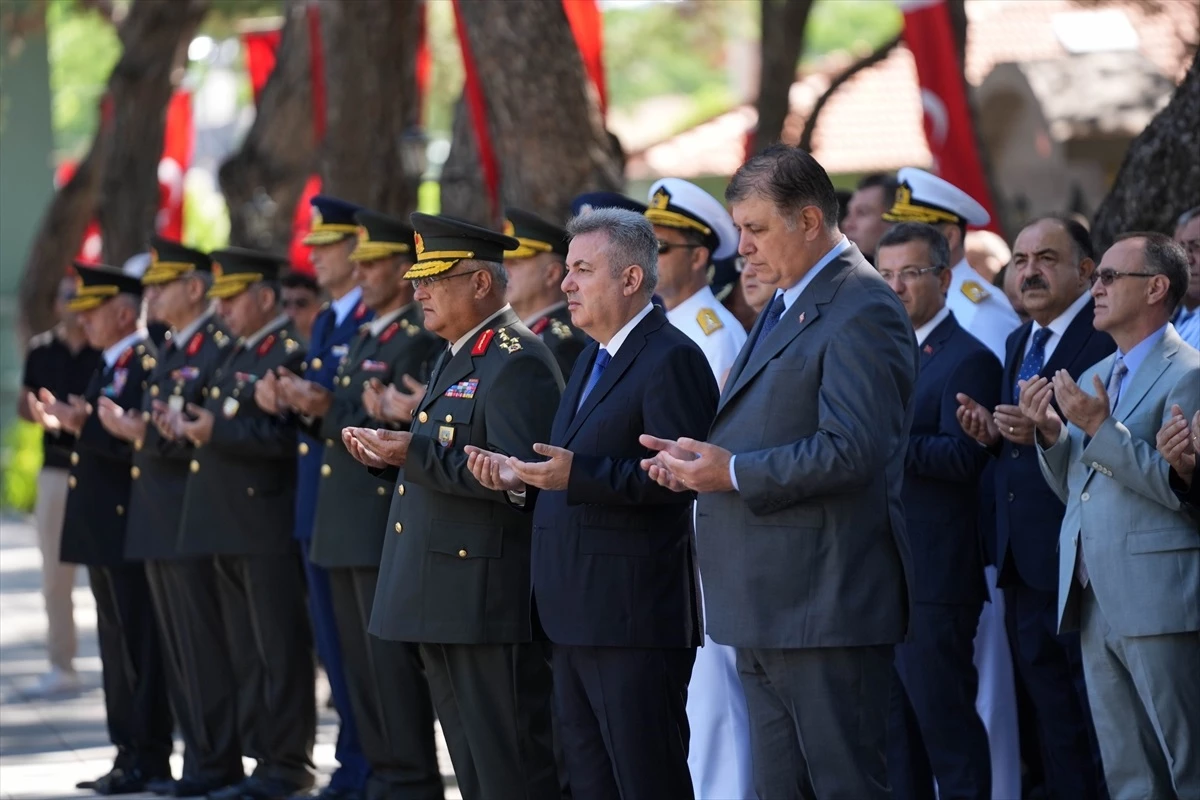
x=330 y=344
x=1028 y=513
x=613 y=559
x=943 y=466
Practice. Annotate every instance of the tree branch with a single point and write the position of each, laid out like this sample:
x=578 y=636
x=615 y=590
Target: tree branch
x=869 y=60
x=783 y=24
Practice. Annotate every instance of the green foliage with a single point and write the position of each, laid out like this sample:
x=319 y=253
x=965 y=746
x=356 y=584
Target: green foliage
x=856 y=25
x=205 y=215
x=20 y=461
x=83 y=50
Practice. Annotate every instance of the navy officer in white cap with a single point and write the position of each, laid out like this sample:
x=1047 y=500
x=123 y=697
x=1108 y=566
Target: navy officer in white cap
x=983 y=310
x=693 y=230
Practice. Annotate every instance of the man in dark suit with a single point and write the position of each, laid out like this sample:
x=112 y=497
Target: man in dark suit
x=388 y=690
x=135 y=689
x=535 y=273
x=455 y=570
x=800 y=529
x=239 y=508
x=613 y=574
x=934 y=730
x=1055 y=260
x=199 y=675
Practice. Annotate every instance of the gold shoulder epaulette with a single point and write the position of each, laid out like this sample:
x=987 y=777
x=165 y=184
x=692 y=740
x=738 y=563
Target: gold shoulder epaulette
x=507 y=342
x=974 y=292
x=709 y=322
x=560 y=329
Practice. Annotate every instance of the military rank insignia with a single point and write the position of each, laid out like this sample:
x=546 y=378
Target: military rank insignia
x=265 y=347
x=194 y=343
x=481 y=344
x=974 y=292
x=560 y=329
x=508 y=343
x=389 y=332
x=148 y=362
x=464 y=390
x=446 y=435
x=708 y=321
x=230 y=407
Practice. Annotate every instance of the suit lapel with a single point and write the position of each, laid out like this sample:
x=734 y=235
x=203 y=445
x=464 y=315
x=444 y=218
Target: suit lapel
x=1074 y=339
x=463 y=362
x=1148 y=372
x=570 y=395
x=934 y=343
x=1013 y=356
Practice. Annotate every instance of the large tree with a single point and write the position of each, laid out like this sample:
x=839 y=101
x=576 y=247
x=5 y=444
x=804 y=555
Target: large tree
x=1158 y=178
x=783 y=24
x=117 y=182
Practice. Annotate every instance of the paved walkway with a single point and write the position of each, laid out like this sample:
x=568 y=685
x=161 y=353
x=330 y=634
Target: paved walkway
x=47 y=746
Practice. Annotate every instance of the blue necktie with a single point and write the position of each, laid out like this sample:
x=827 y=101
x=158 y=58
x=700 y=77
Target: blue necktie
x=1034 y=361
x=602 y=359
x=773 y=315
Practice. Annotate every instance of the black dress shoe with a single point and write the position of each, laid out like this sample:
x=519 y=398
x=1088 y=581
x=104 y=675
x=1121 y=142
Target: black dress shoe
x=161 y=786
x=196 y=787
x=231 y=792
x=121 y=781
x=332 y=793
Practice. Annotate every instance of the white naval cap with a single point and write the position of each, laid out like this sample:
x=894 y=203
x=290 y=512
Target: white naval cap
x=924 y=197
x=676 y=203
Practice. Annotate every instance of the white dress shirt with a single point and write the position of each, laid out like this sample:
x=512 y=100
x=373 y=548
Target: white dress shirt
x=345 y=304
x=922 y=333
x=1058 y=327
x=112 y=353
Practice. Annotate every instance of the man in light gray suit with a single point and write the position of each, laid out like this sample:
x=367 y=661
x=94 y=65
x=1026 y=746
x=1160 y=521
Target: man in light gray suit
x=800 y=530
x=1129 y=556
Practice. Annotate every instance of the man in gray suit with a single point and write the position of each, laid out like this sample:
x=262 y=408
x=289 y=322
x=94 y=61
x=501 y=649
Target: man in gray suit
x=800 y=530
x=1129 y=556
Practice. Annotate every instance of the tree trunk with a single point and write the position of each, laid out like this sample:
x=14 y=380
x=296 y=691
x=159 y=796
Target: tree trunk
x=783 y=24
x=155 y=37
x=118 y=179
x=546 y=129
x=1158 y=178
x=263 y=181
x=462 y=190
x=370 y=154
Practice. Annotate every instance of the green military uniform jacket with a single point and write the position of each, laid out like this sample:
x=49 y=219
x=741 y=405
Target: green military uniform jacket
x=352 y=507
x=241 y=489
x=455 y=566
x=565 y=341
x=99 y=483
x=185 y=365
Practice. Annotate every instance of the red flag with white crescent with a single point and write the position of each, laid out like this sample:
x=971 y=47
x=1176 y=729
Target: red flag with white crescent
x=948 y=129
x=178 y=138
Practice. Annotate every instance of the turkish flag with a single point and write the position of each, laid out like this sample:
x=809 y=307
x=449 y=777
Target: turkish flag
x=948 y=129
x=261 y=47
x=588 y=27
x=173 y=166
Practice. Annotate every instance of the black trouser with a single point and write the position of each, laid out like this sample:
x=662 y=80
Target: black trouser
x=934 y=731
x=388 y=693
x=622 y=718
x=493 y=701
x=135 y=685
x=202 y=685
x=270 y=642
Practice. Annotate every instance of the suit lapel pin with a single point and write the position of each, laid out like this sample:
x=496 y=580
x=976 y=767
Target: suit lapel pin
x=928 y=350
x=801 y=320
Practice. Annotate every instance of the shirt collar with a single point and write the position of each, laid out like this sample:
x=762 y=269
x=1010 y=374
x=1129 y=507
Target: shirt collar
x=466 y=337
x=191 y=328
x=377 y=325
x=262 y=332
x=345 y=304
x=922 y=333
x=620 y=336
x=111 y=354
x=545 y=311
x=1137 y=354
x=790 y=295
x=1058 y=326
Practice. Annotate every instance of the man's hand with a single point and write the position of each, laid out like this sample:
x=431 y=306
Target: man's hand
x=492 y=470
x=266 y=394
x=390 y=447
x=305 y=397
x=372 y=397
x=54 y=415
x=695 y=465
x=1080 y=408
x=398 y=405
x=551 y=474
x=358 y=449
x=167 y=420
x=126 y=425
x=198 y=427
x=1177 y=443
x=1013 y=425
x=976 y=421
x=1035 y=405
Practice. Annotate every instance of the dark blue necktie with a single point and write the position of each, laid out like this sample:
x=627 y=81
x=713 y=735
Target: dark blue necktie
x=1034 y=361
x=773 y=315
x=602 y=359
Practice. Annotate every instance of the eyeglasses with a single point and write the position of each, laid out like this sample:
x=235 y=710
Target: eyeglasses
x=666 y=247
x=906 y=275
x=297 y=303
x=1107 y=276
x=425 y=283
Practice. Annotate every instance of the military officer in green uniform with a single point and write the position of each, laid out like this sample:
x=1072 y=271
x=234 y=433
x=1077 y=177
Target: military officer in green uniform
x=385 y=679
x=108 y=303
x=183 y=589
x=455 y=570
x=535 y=271
x=238 y=508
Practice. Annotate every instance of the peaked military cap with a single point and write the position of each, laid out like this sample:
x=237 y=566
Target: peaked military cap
x=924 y=197
x=170 y=260
x=332 y=220
x=380 y=236
x=535 y=235
x=96 y=284
x=676 y=203
x=589 y=201
x=235 y=269
x=442 y=242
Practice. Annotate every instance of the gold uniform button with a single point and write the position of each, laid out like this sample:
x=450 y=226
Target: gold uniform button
x=250 y=491
x=194 y=466
x=316 y=363
x=326 y=470
x=346 y=381
x=135 y=473
x=302 y=448
x=422 y=417
x=154 y=391
x=74 y=459
x=138 y=444
x=400 y=490
x=379 y=490
x=145 y=416
x=449 y=418
x=399 y=528
x=120 y=511
x=329 y=442
x=215 y=393
x=462 y=553
x=71 y=482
